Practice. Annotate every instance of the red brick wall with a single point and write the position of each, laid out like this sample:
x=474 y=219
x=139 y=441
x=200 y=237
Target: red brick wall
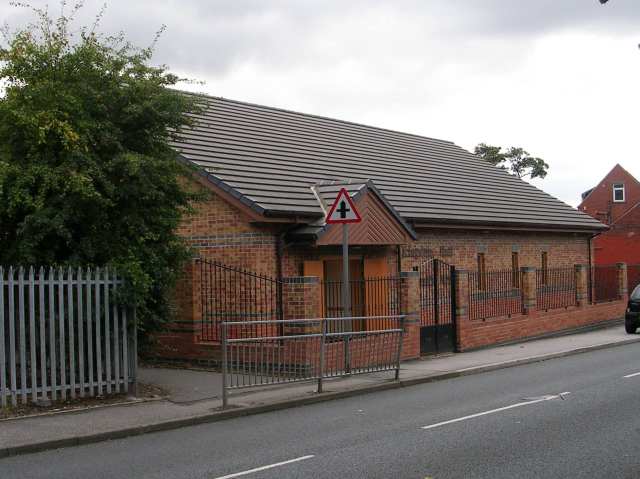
x=219 y=231
x=599 y=203
x=476 y=334
x=622 y=242
x=461 y=248
x=222 y=232
x=301 y=298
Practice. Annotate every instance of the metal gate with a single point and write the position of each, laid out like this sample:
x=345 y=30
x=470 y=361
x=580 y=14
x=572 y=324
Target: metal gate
x=234 y=294
x=437 y=307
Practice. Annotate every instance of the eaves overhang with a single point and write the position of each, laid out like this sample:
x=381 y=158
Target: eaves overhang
x=421 y=223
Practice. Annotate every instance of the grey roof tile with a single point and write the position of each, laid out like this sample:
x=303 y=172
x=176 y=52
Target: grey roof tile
x=272 y=157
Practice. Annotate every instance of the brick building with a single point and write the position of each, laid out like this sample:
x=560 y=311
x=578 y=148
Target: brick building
x=270 y=175
x=615 y=201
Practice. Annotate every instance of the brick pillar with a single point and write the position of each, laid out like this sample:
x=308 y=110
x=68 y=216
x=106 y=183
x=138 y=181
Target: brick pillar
x=301 y=300
x=410 y=307
x=301 y=297
x=179 y=339
x=462 y=306
x=582 y=285
x=529 y=292
x=623 y=291
x=187 y=296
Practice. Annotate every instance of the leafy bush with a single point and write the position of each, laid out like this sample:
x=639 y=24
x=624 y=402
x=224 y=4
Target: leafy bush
x=87 y=174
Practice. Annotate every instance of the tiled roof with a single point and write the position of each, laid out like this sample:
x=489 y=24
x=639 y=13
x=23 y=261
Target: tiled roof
x=270 y=158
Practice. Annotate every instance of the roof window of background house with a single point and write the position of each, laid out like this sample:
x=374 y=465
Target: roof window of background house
x=618 y=192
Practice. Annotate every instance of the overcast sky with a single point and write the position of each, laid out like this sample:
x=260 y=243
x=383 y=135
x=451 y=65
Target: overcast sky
x=560 y=78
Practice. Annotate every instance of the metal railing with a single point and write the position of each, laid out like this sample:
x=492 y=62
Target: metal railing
x=604 y=283
x=308 y=350
x=63 y=335
x=556 y=288
x=374 y=296
x=495 y=293
x=235 y=294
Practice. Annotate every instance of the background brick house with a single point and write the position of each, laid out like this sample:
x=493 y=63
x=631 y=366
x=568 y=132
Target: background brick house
x=615 y=201
x=271 y=174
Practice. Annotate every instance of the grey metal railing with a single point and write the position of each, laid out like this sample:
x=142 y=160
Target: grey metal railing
x=63 y=335
x=308 y=350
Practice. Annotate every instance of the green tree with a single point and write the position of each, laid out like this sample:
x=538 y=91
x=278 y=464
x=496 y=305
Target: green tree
x=517 y=161
x=87 y=174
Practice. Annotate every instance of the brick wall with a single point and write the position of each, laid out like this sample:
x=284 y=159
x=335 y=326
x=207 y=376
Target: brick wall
x=219 y=231
x=473 y=334
x=621 y=242
x=301 y=298
x=461 y=248
x=599 y=203
x=476 y=334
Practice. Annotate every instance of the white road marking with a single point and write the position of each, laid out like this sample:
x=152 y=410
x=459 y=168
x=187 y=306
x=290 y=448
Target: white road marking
x=263 y=468
x=631 y=375
x=493 y=411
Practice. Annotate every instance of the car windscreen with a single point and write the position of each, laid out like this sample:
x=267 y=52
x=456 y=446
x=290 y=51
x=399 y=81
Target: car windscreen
x=636 y=293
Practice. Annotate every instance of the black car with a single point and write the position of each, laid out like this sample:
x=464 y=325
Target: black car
x=632 y=316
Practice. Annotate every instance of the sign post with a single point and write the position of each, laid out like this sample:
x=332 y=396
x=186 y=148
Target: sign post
x=346 y=297
x=343 y=211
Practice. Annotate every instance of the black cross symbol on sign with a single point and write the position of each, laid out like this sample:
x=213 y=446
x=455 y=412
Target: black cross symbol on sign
x=343 y=210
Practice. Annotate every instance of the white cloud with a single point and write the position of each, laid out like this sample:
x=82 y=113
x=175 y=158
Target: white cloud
x=557 y=77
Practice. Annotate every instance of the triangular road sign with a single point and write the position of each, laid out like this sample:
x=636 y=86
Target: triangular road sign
x=343 y=210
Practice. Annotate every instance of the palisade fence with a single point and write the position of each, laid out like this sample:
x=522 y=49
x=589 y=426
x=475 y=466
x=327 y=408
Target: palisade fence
x=307 y=350
x=633 y=277
x=556 y=288
x=495 y=293
x=62 y=335
x=604 y=283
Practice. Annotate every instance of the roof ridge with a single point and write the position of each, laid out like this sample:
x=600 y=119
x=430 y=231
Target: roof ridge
x=322 y=117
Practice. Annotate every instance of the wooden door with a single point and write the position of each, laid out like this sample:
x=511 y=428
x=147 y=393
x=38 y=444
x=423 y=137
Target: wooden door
x=377 y=291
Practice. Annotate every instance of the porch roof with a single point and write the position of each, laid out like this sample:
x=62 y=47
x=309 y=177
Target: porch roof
x=396 y=230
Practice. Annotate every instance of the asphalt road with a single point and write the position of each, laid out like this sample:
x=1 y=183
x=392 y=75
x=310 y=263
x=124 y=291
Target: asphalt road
x=511 y=423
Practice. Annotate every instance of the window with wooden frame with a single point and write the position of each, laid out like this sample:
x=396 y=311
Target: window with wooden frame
x=482 y=272
x=544 y=267
x=515 y=270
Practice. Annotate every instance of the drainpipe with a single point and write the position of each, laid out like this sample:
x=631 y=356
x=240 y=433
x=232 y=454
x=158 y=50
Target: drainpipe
x=279 y=254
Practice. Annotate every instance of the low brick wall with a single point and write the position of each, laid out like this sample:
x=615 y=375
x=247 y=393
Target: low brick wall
x=478 y=333
x=182 y=347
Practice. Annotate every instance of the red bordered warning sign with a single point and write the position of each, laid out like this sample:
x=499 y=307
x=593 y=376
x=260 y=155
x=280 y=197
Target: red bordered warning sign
x=343 y=210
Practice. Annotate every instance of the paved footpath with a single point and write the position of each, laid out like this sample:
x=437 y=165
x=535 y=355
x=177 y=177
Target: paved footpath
x=195 y=395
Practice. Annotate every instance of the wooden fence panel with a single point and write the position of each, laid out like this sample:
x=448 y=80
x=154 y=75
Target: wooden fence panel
x=63 y=335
